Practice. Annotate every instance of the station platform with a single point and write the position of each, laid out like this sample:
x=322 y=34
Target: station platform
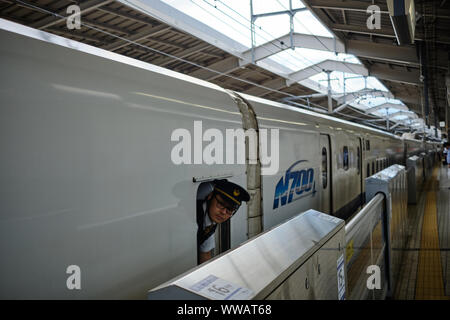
x=425 y=270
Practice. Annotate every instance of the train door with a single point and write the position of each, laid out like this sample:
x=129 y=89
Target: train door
x=325 y=173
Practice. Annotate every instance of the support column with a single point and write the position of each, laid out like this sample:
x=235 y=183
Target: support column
x=330 y=100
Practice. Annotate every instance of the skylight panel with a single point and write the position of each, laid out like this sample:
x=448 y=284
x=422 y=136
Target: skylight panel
x=305 y=22
x=229 y=17
x=263 y=6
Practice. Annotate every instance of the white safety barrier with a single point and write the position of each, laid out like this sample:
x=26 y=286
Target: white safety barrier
x=302 y=258
x=392 y=183
x=366 y=248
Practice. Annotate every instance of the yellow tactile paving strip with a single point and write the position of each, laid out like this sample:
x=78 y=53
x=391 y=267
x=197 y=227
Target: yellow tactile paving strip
x=430 y=283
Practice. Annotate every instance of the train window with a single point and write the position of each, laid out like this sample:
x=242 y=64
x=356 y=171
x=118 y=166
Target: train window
x=373 y=167
x=358 y=157
x=324 y=168
x=367 y=144
x=368 y=170
x=345 y=158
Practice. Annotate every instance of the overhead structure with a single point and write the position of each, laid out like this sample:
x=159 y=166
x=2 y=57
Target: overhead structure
x=153 y=31
x=403 y=18
x=420 y=26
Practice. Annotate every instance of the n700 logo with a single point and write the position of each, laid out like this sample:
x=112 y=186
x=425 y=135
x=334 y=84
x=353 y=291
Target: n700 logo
x=302 y=184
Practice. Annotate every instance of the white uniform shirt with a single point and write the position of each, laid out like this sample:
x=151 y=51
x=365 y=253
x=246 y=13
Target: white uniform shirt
x=209 y=243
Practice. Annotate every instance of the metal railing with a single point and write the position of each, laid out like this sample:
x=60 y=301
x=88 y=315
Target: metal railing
x=366 y=247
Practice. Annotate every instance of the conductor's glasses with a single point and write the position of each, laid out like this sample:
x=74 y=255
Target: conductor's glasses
x=221 y=206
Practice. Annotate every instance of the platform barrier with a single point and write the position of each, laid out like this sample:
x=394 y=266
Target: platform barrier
x=302 y=258
x=392 y=183
x=366 y=247
x=427 y=165
x=415 y=175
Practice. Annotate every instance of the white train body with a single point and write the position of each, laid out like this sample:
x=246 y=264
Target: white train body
x=87 y=178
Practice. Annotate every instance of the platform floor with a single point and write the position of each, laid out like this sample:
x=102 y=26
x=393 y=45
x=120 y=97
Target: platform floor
x=425 y=271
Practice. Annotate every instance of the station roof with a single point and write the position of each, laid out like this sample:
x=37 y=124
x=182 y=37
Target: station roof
x=156 y=32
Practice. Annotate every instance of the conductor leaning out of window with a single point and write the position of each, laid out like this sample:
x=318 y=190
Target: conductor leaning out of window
x=218 y=206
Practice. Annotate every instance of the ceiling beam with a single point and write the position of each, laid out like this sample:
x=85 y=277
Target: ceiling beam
x=163 y=61
x=361 y=48
x=409 y=114
x=387 y=106
x=143 y=34
x=327 y=65
x=126 y=15
x=222 y=67
x=275 y=84
x=359 y=6
x=382 y=51
x=395 y=74
x=377 y=70
x=300 y=40
x=441 y=37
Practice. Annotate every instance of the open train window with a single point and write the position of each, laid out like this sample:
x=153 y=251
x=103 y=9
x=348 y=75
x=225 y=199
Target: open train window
x=223 y=234
x=324 y=168
x=345 y=158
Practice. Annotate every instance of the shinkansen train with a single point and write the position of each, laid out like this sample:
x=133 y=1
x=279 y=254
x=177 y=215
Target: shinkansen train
x=104 y=156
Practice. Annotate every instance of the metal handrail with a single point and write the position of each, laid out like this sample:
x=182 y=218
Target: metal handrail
x=379 y=198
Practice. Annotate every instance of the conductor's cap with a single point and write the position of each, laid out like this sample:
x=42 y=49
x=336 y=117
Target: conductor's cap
x=232 y=193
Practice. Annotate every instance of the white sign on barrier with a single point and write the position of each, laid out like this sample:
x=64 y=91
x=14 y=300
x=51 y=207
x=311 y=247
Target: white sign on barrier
x=341 y=278
x=219 y=289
